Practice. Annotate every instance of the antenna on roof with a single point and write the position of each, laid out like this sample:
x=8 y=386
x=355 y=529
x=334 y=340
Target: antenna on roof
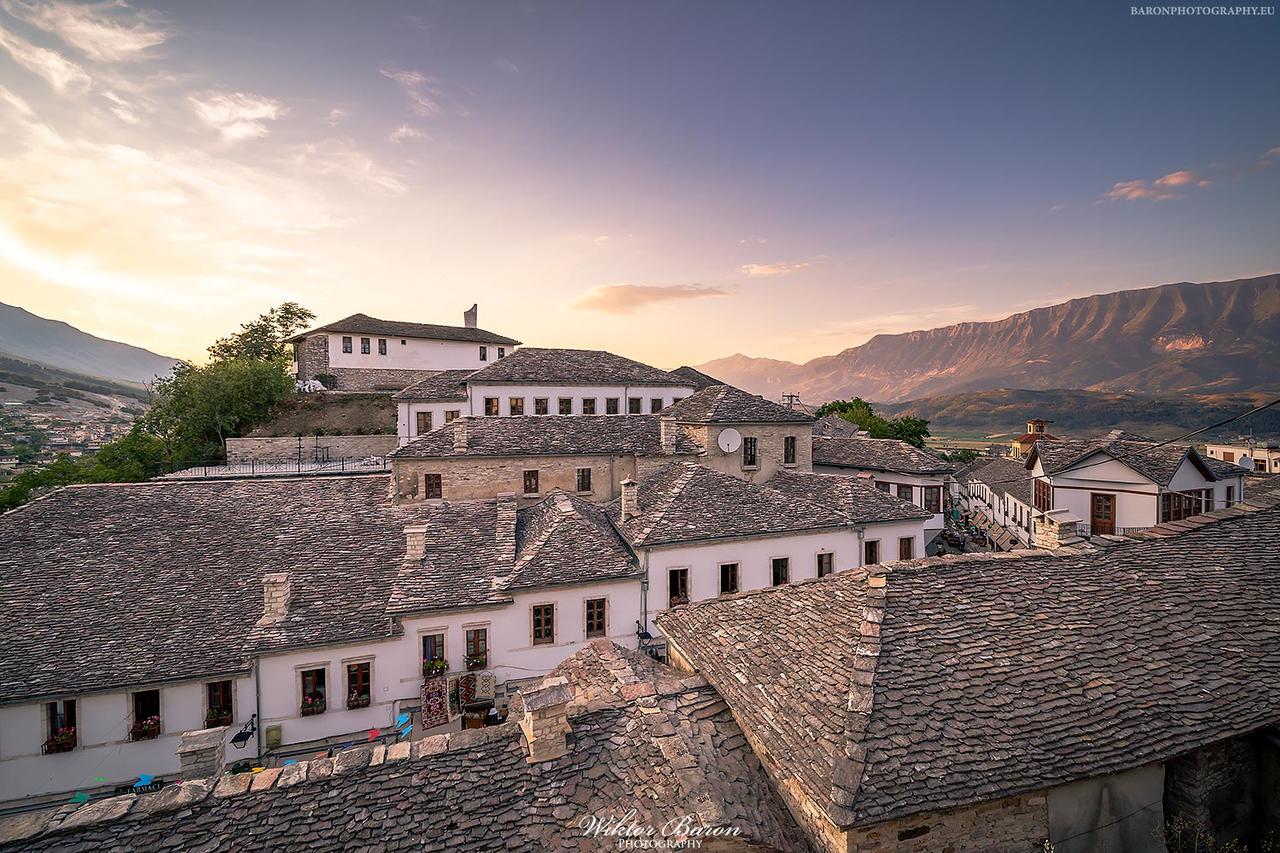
x=791 y=400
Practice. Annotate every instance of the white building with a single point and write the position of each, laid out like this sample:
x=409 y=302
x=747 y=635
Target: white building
x=363 y=353
x=996 y=492
x=1259 y=457
x=1122 y=483
x=538 y=381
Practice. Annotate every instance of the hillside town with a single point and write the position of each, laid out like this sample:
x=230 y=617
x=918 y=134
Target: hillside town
x=575 y=591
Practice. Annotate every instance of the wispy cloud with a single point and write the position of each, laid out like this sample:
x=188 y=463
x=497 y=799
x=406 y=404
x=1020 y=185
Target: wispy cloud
x=336 y=116
x=629 y=298
x=340 y=158
x=777 y=268
x=236 y=115
x=507 y=65
x=105 y=32
x=65 y=76
x=421 y=90
x=404 y=133
x=1165 y=188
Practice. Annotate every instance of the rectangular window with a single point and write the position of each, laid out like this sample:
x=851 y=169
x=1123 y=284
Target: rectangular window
x=346 y=343
x=433 y=651
x=477 y=648
x=565 y=405
x=218 y=706
x=932 y=499
x=907 y=548
x=516 y=405
x=904 y=491
x=588 y=405
x=540 y=406
x=584 y=479
x=633 y=405
x=502 y=352
x=789 y=450
x=595 y=621
x=544 y=624
x=728 y=578
x=531 y=482
x=655 y=405
x=677 y=587
x=781 y=570
x=451 y=415
x=62 y=726
x=424 y=423
x=1228 y=456
x=382 y=346
x=313 y=692
x=1043 y=496
x=484 y=353
x=749 y=456
x=826 y=564
x=871 y=552
x=433 y=486
x=491 y=407
x=611 y=405
x=884 y=487
x=364 y=346
x=146 y=715
x=1231 y=495
x=359 y=691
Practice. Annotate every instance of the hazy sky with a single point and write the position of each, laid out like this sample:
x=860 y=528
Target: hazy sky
x=672 y=181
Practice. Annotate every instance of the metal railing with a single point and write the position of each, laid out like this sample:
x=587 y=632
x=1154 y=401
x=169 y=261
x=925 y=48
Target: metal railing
x=260 y=468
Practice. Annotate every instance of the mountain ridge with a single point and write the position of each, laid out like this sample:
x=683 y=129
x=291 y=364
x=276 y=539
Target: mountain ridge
x=57 y=344
x=1211 y=337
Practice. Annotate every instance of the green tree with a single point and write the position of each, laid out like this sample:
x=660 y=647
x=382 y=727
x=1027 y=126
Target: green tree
x=263 y=339
x=858 y=411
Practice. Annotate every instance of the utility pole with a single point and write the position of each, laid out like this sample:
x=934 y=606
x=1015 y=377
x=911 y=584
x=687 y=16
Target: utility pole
x=791 y=400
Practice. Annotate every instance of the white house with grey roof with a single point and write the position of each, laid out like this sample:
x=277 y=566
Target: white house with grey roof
x=911 y=473
x=363 y=353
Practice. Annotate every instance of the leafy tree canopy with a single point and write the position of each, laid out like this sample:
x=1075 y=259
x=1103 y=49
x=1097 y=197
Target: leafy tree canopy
x=858 y=411
x=263 y=339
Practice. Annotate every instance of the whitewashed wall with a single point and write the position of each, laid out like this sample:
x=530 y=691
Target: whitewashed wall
x=917 y=483
x=413 y=354
x=478 y=392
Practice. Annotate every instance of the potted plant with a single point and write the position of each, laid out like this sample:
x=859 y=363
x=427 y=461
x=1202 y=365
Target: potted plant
x=358 y=700
x=213 y=719
x=145 y=729
x=434 y=667
x=62 y=740
x=312 y=703
x=477 y=661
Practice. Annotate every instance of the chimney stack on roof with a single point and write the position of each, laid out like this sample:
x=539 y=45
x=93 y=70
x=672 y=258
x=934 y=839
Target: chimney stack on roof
x=505 y=531
x=630 y=500
x=469 y=316
x=202 y=753
x=275 y=598
x=415 y=543
x=461 y=434
x=546 y=719
x=1058 y=527
x=667 y=433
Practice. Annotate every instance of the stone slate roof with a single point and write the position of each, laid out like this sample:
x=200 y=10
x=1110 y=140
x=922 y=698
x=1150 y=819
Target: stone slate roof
x=445 y=386
x=860 y=501
x=108 y=586
x=643 y=738
x=696 y=377
x=1157 y=463
x=363 y=324
x=688 y=502
x=834 y=426
x=724 y=404
x=1000 y=474
x=547 y=435
x=544 y=366
x=965 y=679
x=878 y=454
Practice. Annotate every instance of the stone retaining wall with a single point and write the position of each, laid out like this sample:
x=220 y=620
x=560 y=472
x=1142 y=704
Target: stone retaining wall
x=309 y=448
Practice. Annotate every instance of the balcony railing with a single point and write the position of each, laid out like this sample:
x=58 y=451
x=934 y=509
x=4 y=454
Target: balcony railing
x=57 y=744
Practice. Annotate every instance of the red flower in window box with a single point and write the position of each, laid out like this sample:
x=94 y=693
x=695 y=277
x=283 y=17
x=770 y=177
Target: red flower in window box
x=312 y=703
x=63 y=740
x=358 y=700
x=145 y=729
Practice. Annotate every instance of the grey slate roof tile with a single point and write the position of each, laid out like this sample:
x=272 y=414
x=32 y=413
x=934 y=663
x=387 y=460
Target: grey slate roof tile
x=877 y=454
x=363 y=324
x=860 y=501
x=1156 y=462
x=695 y=377
x=444 y=387
x=726 y=404
x=573 y=367
x=547 y=435
x=1000 y=474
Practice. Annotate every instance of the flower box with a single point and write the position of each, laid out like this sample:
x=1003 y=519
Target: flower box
x=63 y=740
x=355 y=700
x=212 y=721
x=477 y=661
x=147 y=729
x=433 y=668
x=312 y=705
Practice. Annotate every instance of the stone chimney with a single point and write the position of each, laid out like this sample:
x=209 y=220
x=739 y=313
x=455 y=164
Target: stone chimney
x=630 y=500
x=504 y=533
x=1056 y=528
x=546 y=719
x=202 y=754
x=461 y=434
x=415 y=543
x=667 y=431
x=275 y=598
x=469 y=316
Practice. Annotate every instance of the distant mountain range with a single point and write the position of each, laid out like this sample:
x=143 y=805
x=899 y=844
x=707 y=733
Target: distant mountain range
x=1214 y=338
x=52 y=343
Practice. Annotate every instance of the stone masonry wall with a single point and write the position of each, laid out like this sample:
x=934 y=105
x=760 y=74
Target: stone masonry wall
x=291 y=449
x=769 y=450
x=1214 y=789
x=313 y=357
x=313 y=360
x=1017 y=824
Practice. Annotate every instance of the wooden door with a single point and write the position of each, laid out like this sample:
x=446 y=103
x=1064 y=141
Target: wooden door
x=1102 y=517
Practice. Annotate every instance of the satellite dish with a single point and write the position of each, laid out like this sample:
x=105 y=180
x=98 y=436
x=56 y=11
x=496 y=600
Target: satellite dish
x=730 y=439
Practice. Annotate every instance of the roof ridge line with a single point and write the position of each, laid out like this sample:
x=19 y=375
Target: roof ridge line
x=690 y=468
